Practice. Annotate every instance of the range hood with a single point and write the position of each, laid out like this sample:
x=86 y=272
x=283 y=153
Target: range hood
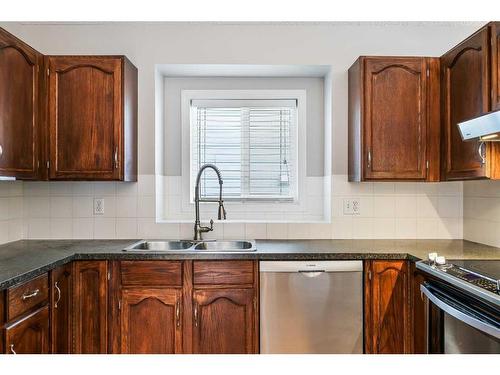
x=483 y=128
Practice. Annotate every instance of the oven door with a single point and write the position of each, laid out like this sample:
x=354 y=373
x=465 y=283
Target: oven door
x=459 y=323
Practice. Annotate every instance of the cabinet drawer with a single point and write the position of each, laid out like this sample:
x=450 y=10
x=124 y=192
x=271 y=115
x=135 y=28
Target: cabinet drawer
x=22 y=298
x=151 y=273
x=223 y=272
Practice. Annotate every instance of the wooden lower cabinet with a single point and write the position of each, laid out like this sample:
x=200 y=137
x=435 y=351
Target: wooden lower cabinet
x=151 y=321
x=387 y=307
x=90 y=296
x=61 y=300
x=224 y=321
x=29 y=335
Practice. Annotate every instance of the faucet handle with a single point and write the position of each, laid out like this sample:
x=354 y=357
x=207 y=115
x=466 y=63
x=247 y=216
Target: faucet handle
x=211 y=224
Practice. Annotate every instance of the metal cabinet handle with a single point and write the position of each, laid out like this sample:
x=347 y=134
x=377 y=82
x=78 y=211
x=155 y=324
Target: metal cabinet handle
x=30 y=295
x=116 y=157
x=58 y=295
x=369 y=159
x=178 y=314
x=482 y=155
x=1 y=150
x=12 y=349
x=196 y=315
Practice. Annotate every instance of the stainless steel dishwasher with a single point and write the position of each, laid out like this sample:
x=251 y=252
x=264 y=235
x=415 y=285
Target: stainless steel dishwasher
x=311 y=307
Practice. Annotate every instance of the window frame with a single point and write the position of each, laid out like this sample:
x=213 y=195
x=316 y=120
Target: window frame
x=238 y=205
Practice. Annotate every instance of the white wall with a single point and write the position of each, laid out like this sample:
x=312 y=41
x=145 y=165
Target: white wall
x=334 y=44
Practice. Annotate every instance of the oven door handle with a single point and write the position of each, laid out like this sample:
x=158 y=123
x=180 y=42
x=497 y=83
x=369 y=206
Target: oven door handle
x=460 y=315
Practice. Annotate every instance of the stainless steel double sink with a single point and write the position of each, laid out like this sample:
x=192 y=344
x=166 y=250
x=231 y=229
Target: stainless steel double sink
x=209 y=246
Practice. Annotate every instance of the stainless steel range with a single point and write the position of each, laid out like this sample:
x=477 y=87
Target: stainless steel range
x=463 y=300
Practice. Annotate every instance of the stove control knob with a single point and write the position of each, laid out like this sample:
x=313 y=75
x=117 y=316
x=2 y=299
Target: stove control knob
x=440 y=260
x=432 y=257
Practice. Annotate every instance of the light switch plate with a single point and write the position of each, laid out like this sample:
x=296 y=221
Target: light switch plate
x=352 y=206
x=98 y=206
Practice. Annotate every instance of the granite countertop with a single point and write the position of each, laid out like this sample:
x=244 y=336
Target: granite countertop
x=24 y=259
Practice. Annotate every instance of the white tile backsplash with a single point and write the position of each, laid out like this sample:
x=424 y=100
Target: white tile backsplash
x=388 y=210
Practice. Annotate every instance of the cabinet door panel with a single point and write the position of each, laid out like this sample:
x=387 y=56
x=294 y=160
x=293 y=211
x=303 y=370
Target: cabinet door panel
x=61 y=303
x=90 y=307
x=151 y=321
x=224 y=321
x=30 y=335
x=465 y=84
x=495 y=65
x=85 y=117
x=387 y=328
x=396 y=118
x=19 y=86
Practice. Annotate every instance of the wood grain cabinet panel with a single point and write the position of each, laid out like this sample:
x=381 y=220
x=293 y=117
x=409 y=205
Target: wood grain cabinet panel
x=90 y=290
x=24 y=297
x=465 y=74
x=61 y=292
x=19 y=108
x=151 y=321
x=387 y=317
x=92 y=106
x=29 y=335
x=495 y=65
x=393 y=119
x=224 y=321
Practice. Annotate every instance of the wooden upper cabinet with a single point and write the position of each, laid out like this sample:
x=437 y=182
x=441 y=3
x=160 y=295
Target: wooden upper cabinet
x=394 y=119
x=465 y=75
x=151 y=321
x=29 y=335
x=19 y=108
x=92 y=116
x=495 y=65
x=387 y=316
x=90 y=314
x=224 y=321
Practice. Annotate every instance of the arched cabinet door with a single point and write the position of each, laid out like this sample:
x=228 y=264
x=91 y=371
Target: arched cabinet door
x=465 y=72
x=224 y=321
x=85 y=117
x=19 y=108
x=151 y=321
x=395 y=117
x=387 y=316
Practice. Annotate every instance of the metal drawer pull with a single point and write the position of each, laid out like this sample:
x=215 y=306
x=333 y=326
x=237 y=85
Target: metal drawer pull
x=196 y=315
x=31 y=295
x=481 y=150
x=58 y=295
x=116 y=157
x=12 y=349
x=1 y=150
x=178 y=314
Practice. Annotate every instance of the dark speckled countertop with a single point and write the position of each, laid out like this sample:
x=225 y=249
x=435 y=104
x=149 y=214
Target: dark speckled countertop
x=22 y=260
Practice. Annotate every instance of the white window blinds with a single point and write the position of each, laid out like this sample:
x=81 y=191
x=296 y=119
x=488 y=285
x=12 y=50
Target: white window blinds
x=252 y=142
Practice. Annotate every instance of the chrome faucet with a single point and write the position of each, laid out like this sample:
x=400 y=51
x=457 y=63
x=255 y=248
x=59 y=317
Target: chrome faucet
x=198 y=229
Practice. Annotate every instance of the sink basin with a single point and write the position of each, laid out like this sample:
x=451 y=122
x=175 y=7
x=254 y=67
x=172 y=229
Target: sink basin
x=225 y=246
x=192 y=246
x=161 y=246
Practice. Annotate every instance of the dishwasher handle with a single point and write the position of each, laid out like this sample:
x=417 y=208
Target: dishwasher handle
x=311 y=274
x=311 y=266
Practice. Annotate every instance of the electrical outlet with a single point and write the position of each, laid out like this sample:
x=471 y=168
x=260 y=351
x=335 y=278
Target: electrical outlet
x=352 y=206
x=98 y=206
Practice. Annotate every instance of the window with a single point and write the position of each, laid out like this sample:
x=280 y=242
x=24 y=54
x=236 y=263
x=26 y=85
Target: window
x=252 y=141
